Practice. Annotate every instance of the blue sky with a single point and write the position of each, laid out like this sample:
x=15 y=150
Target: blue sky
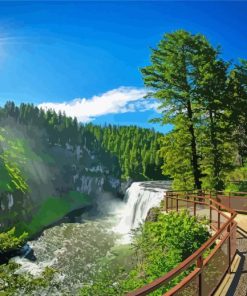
x=86 y=55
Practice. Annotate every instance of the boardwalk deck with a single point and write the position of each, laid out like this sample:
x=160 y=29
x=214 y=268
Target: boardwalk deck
x=235 y=284
x=241 y=288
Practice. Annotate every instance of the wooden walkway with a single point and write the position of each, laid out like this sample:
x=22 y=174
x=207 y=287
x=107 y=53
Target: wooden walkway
x=241 y=275
x=236 y=283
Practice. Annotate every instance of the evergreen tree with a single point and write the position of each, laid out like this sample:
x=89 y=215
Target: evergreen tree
x=237 y=88
x=190 y=81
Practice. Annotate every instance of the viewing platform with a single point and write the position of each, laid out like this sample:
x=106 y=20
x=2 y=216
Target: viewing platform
x=235 y=283
x=219 y=266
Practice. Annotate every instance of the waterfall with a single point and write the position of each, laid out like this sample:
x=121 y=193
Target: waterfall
x=140 y=197
x=74 y=249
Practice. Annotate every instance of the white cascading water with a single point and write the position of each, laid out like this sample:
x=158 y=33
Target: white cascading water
x=140 y=197
x=73 y=249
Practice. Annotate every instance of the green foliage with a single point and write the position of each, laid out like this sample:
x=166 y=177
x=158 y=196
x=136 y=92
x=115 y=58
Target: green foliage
x=5 y=179
x=177 y=157
x=132 y=148
x=11 y=157
x=136 y=149
x=237 y=88
x=14 y=283
x=8 y=240
x=237 y=180
x=158 y=247
x=205 y=102
x=174 y=230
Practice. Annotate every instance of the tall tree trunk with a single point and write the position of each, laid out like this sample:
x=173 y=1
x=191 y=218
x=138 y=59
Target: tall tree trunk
x=216 y=157
x=195 y=165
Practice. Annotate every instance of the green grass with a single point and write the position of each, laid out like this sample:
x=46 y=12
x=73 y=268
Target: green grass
x=76 y=199
x=53 y=209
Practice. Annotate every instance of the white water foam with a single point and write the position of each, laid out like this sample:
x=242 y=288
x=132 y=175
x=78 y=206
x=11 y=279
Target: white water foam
x=140 y=197
x=27 y=266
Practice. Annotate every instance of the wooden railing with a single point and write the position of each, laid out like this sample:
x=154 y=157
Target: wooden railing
x=204 y=270
x=233 y=200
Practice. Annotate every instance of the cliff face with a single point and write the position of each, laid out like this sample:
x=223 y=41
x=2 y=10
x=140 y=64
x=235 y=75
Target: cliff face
x=41 y=181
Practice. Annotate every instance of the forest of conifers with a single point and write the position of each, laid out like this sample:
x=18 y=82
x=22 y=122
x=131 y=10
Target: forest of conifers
x=134 y=148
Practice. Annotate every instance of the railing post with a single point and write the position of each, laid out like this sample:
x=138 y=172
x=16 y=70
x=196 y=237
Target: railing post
x=229 y=248
x=199 y=264
x=218 y=217
x=210 y=211
x=166 y=203
x=177 y=203
x=194 y=206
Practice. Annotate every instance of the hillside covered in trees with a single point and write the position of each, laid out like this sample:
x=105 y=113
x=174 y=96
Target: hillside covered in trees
x=136 y=149
x=50 y=164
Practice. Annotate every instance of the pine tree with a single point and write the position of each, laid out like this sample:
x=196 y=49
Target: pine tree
x=190 y=81
x=237 y=88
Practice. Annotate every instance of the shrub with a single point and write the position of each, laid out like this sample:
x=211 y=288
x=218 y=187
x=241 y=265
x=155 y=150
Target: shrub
x=158 y=246
x=8 y=240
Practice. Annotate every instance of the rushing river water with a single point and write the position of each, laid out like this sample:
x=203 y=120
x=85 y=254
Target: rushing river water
x=74 y=249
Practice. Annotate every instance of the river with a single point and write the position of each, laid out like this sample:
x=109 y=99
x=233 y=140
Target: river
x=74 y=249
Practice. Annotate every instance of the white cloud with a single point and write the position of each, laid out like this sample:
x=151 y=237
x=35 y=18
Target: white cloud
x=144 y=105
x=120 y=100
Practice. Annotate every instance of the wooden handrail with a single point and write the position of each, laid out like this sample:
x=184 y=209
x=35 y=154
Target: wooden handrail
x=229 y=225
x=235 y=200
x=208 y=198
